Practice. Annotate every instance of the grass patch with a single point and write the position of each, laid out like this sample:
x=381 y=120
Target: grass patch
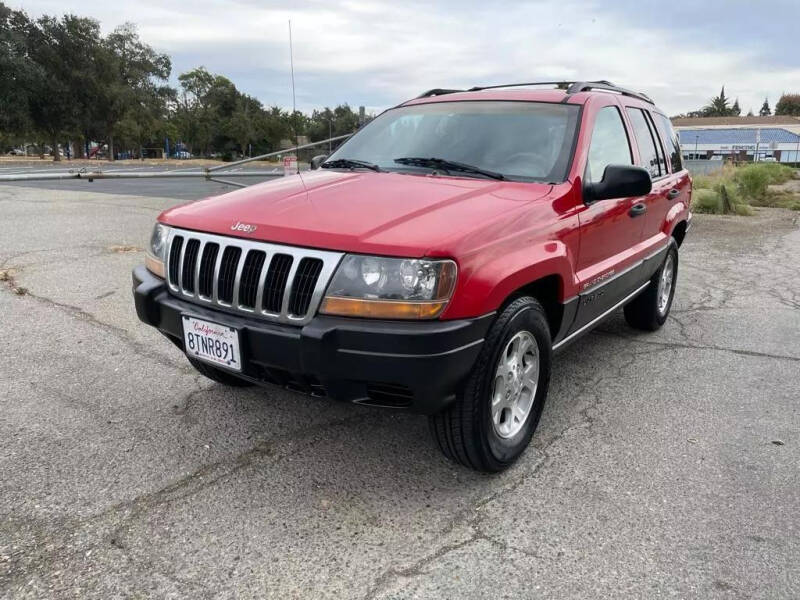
x=735 y=190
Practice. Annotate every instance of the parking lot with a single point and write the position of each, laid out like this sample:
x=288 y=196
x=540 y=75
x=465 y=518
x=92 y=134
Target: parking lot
x=665 y=464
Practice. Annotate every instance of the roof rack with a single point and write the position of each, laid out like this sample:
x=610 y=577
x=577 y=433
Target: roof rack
x=438 y=92
x=563 y=84
x=571 y=87
x=585 y=86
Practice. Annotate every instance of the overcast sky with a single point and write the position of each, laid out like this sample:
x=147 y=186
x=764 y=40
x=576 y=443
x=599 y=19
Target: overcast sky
x=377 y=54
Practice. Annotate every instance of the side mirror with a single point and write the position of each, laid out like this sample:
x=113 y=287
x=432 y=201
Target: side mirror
x=317 y=161
x=619 y=181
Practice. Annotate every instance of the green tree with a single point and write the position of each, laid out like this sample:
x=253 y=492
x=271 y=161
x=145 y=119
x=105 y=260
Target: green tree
x=127 y=76
x=718 y=107
x=735 y=109
x=204 y=110
x=54 y=48
x=14 y=74
x=789 y=104
x=765 y=109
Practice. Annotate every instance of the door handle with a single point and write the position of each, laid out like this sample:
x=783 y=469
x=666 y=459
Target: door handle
x=673 y=193
x=638 y=210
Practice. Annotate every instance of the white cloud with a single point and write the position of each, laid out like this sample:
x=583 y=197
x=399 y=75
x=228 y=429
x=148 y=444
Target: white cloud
x=379 y=53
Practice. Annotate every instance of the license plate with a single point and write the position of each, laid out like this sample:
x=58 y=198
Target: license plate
x=212 y=342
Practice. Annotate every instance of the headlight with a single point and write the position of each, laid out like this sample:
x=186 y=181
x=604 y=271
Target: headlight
x=390 y=288
x=157 y=252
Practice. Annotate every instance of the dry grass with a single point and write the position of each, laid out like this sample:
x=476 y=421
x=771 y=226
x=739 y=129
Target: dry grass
x=735 y=190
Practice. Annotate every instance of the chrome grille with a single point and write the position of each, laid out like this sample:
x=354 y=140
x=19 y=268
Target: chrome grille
x=271 y=281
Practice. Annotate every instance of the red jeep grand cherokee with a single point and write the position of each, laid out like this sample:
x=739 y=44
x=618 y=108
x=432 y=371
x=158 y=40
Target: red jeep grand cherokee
x=436 y=260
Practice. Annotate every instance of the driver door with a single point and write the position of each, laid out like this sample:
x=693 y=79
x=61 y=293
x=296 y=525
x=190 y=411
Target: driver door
x=609 y=229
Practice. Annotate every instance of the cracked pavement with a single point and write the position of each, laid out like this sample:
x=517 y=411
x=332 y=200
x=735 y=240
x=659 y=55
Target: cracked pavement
x=665 y=465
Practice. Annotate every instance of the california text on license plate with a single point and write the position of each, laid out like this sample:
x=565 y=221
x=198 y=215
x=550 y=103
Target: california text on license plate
x=212 y=342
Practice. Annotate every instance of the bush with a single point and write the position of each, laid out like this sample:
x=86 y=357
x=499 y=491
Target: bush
x=722 y=199
x=752 y=181
x=706 y=200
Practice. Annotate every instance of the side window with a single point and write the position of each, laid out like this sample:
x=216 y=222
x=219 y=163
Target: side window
x=609 y=145
x=662 y=161
x=671 y=142
x=650 y=158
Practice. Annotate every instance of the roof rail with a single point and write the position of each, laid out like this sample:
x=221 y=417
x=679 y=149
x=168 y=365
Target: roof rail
x=438 y=92
x=585 y=86
x=563 y=84
x=571 y=87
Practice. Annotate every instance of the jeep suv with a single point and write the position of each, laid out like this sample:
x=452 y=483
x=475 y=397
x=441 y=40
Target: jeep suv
x=436 y=260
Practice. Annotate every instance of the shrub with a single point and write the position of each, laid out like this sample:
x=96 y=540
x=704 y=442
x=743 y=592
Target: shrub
x=752 y=181
x=705 y=200
x=722 y=199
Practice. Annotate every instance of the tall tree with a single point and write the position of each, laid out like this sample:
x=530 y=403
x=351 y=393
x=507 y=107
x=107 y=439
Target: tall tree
x=765 y=109
x=789 y=104
x=718 y=107
x=54 y=49
x=736 y=109
x=14 y=72
x=128 y=72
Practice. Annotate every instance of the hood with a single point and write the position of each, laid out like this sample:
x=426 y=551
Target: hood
x=380 y=213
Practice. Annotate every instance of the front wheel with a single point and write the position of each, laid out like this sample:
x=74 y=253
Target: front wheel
x=489 y=426
x=650 y=309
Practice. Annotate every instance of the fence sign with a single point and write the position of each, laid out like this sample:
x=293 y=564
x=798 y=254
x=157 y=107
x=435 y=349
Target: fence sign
x=289 y=165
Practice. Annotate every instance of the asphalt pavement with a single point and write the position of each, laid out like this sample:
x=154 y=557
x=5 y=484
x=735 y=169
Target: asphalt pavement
x=665 y=464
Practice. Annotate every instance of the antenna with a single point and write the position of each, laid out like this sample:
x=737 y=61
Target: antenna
x=294 y=101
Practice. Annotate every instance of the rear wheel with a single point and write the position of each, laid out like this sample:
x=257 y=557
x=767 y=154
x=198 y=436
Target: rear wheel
x=218 y=375
x=650 y=309
x=492 y=422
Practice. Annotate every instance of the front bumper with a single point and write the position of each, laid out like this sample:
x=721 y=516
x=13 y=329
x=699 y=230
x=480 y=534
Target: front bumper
x=415 y=365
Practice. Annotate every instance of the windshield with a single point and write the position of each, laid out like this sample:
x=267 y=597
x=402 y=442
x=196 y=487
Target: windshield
x=526 y=141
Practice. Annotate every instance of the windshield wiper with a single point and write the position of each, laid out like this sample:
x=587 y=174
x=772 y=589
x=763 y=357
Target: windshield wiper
x=447 y=165
x=350 y=163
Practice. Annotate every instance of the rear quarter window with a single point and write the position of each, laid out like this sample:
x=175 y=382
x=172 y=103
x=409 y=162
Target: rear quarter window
x=670 y=141
x=651 y=155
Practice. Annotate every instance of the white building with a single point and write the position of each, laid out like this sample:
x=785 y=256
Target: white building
x=740 y=138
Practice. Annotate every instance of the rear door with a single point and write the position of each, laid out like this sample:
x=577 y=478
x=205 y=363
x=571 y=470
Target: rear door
x=679 y=192
x=652 y=158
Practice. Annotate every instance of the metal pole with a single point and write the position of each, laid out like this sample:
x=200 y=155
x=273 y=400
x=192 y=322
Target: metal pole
x=294 y=103
x=697 y=137
x=182 y=173
x=268 y=154
x=92 y=175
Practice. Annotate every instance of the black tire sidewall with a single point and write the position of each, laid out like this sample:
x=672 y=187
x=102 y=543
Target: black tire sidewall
x=672 y=251
x=527 y=317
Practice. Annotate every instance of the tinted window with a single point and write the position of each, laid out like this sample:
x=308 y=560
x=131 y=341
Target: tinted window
x=662 y=161
x=530 y=141
x=671 y=142
x=649 y=158
x=609 y=144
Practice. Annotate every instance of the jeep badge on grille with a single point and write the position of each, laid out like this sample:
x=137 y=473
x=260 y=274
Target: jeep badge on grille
x=243 y=227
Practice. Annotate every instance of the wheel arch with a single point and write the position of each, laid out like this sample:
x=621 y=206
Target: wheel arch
x=548 y=290
x=679 y=231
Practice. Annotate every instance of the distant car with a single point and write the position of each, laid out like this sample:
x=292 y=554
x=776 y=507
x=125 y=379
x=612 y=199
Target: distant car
x=768 y=159
x=182 y=154
x=16 y=152
x=436 y=260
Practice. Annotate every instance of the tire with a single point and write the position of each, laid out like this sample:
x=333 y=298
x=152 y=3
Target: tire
x=218 y=375
x=469 y=431
x=648 y=311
